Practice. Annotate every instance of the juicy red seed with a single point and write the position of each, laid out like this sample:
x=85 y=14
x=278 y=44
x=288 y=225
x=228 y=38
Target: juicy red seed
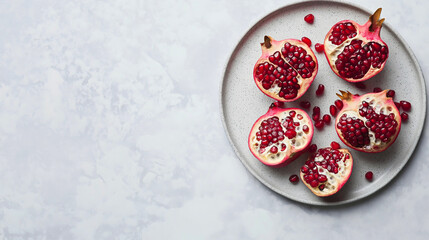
x=316 y=117
x=405 y=105
x=321 y=187
x=320 y=89
x=390 y=93
x=326 y=118
x=305 y=104
x=274 y=149
x=342 y=31
x=319 y=124
x=314 y=183
x=369 y=175
x=404 y=116
x=333 y=110
x=383 y=126
x=398 y=105
x=319 y=47
x=290 y=133
x=306 y=40
x=335 y=145
x=277 y=104
x=309 y=18
x=312 y=148
x=293 y=178
x=316 y=110
x=305 y=128
x=360 y=85
x=339 y=104
x=377 y=89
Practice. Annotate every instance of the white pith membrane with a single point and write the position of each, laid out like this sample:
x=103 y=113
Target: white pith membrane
x=381 y=105
x=332 y=51
x=293 y=145
x=304 y=83
x=334 y=180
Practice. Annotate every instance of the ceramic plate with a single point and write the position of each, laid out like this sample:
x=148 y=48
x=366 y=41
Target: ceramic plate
x=242 y=102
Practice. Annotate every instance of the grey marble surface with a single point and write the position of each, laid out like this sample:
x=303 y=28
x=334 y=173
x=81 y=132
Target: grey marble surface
x=110 y=128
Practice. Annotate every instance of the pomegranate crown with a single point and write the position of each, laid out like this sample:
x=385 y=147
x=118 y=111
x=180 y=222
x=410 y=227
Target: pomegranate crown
x=267 y=42
x=345 y=96
x=375 y=20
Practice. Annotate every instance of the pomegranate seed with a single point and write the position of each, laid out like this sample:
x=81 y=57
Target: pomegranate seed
x=319 y=47
x=377 y=89
x=404 y=116
x=273 y=149
x=333 y=110
x=326 y=118
x=360 y=85
x=309 y=18
x=277 y=104
x=312 y=148
x=320 y=89
x=398 y=105
x=316 y=117
x=335 y=145
x=369 y=175
x=321 y=187
x=306 y=40
x=293 y=178
x=339 y=104
x=390 y=93
x=314 y=183
x=405 y=105
x=316 y=110
x=305 y=104
x=319 y=124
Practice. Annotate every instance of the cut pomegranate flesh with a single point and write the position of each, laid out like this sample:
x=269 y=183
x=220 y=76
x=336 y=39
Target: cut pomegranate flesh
x=285 y=70
x=368 y=123
x=356 y=52
x=327 y=170
x=280 y=135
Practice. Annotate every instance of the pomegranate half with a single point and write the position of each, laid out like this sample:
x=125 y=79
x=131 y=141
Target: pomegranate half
x=286 y=69
x=280 y=136
x=327 y=170
x=368 y=123
x=356 y=52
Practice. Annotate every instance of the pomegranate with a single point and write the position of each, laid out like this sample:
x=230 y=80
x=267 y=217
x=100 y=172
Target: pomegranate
x=356 y=52
x=327 y=170
x=368 y=123
x=286 y=69
x=280 y=136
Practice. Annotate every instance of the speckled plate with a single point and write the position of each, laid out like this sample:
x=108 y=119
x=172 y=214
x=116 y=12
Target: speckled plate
x=242 y=102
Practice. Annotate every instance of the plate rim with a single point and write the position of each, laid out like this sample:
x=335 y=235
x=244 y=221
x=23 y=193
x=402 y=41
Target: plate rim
x=256 y=175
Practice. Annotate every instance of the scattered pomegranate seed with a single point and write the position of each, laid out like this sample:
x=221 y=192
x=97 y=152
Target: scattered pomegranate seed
x=369 y=175
x=326 y=118
x=398 y=105
x=312 y=148
x=309 y=18
x=405 y=105
x=404 y=116
x=319 y=47
x=360 y=85
x=339 y=104
x=316 y=117
x=320 y=89
x=305 y=104
x=316 y=110
x=335 y=145
x=333 y=110
x=390 y=93
x=319 y=124
x=293 y=178
x=306 y=40
x=377 y=89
